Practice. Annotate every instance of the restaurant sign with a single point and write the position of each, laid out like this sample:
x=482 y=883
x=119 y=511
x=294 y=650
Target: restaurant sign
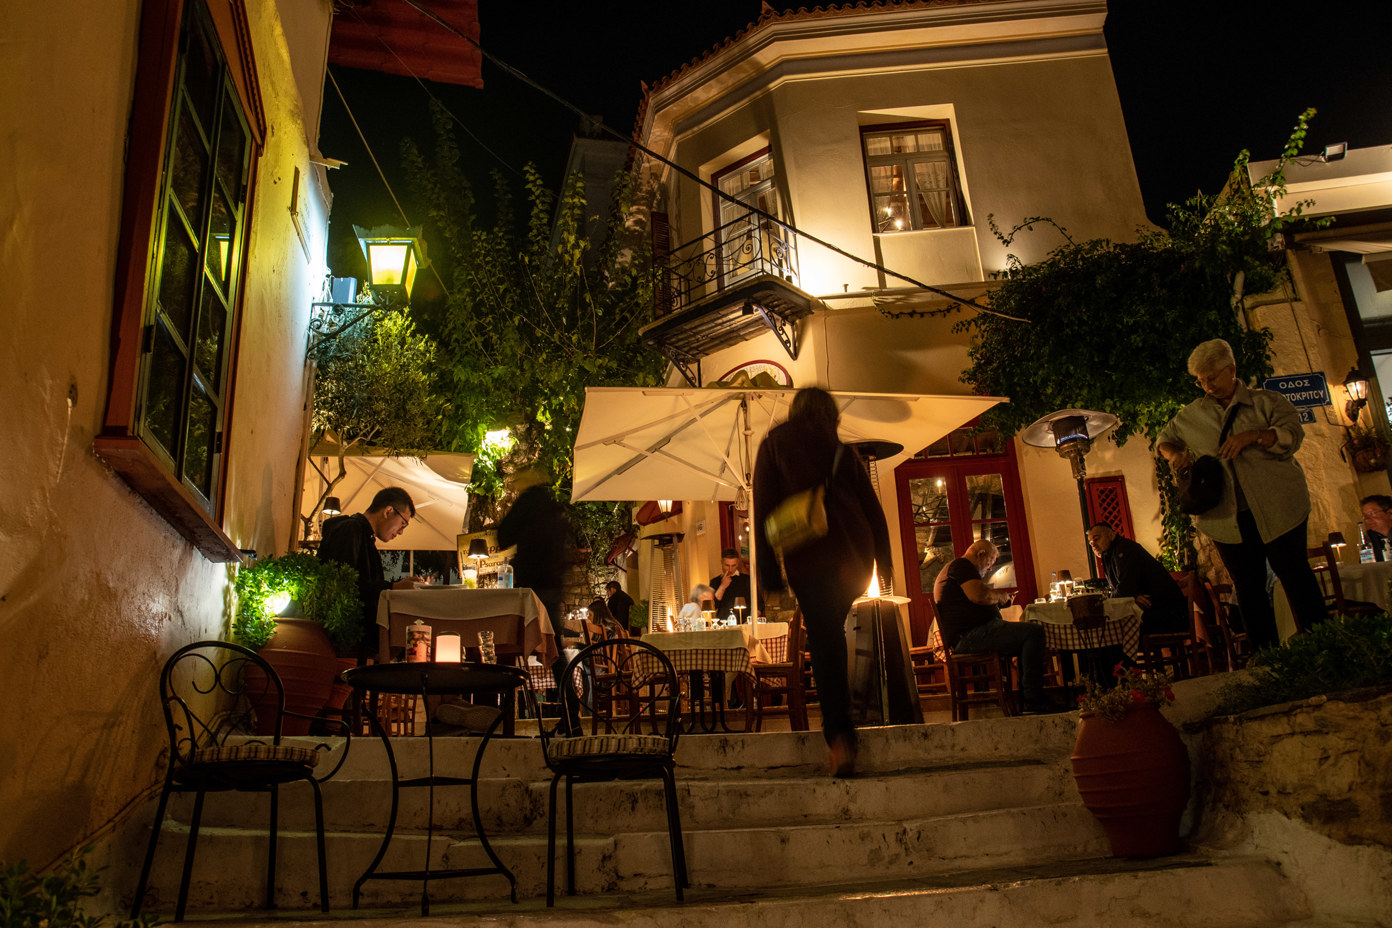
x=1305 y=391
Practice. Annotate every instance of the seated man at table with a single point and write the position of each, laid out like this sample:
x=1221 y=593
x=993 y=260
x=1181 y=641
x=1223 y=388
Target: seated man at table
x=729 y=584
x=970 y=622
x=1377 y=521
x=1132 y=571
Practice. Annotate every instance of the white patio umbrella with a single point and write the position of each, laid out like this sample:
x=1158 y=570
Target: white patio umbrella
x=438 y=484
x=639 y=443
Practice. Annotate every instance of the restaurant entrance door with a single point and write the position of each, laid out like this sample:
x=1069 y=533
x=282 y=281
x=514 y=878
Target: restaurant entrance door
x=949 y=496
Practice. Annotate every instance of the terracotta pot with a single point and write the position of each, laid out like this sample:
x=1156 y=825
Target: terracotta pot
x=1133 y=776
x=303 y=658
x=340 y=691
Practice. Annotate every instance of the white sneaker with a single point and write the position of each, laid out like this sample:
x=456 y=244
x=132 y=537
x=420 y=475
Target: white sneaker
x=467 y=715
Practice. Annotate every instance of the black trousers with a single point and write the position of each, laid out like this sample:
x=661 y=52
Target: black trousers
x=1246 y=562
x=825 y=606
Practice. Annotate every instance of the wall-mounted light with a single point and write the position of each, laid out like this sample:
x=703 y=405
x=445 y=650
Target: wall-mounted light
x=1357 y=386
x=393 y=257
x=664 y=506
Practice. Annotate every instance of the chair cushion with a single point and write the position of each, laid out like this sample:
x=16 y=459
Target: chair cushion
x=609 y=745
x=253 y=753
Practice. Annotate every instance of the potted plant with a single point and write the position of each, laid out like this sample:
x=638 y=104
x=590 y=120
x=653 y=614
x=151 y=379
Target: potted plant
x=300 y=614
x=1367 y=449
x=1131 y=768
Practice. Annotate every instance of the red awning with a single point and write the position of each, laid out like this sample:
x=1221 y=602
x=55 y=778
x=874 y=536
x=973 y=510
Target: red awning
x=623 y=546
x=648 y=513
x=393 y=37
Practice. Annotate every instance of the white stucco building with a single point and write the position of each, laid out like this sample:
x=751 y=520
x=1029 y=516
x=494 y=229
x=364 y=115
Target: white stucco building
x=897 y=135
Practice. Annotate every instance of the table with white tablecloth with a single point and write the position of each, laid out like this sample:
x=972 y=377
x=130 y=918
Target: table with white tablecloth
x=715 y=652
x=516 y=617
x=1122 y=627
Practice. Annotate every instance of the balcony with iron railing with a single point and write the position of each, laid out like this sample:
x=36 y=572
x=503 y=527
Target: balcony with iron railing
x=726 y=287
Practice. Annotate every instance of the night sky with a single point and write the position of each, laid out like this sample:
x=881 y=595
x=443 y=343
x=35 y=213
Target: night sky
x=1199 y=80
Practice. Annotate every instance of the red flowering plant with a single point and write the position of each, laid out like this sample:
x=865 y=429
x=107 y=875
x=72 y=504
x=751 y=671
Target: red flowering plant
x=1132 y=690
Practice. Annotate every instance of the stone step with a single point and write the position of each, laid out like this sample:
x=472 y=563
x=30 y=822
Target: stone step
x=1186 y=891
x=511 y=806
x=230 y=868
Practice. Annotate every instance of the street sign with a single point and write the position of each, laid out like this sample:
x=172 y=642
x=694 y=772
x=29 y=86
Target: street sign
x=1305 y=391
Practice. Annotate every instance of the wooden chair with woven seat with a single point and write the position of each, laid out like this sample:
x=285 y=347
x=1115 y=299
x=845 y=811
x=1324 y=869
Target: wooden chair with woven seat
x=1172 y=653
x=1233 y=627
x=198 y=686
x=1089 y=617
x=980 y=679
x=640 y=684
x=1325 y=564
x=781 y=679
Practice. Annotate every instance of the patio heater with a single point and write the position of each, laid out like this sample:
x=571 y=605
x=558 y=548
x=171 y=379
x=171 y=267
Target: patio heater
x=1071 y=432
x=667 y=593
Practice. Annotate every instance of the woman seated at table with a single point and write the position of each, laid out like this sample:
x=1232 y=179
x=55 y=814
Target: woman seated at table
x=603 y=619
x=702 y=599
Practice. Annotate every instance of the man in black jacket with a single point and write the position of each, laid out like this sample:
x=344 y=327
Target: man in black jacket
x=352 y=540
x=539 y=528
x=620 y=603
x=1132 y=571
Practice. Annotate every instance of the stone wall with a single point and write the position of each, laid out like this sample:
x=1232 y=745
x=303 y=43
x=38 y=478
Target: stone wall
x=1308 y=785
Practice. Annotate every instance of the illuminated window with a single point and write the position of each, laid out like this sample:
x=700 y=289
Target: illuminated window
x=913 y=177
x=179 y=271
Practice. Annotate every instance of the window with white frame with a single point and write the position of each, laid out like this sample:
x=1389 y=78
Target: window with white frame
x=913 y=177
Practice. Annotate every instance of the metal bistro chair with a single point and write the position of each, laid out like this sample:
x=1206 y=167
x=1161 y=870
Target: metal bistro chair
x=633 y=687
x=199 y=688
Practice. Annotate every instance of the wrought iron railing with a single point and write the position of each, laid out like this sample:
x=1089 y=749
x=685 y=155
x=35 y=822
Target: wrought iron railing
x=733 y=253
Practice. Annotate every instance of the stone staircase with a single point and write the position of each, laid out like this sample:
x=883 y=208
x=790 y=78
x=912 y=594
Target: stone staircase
x=977 y=820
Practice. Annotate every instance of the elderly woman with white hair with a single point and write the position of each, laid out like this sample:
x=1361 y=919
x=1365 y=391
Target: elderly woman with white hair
x=1262 y=514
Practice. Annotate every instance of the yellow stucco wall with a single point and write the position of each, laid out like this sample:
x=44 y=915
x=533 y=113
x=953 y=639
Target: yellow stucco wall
x=96 y=590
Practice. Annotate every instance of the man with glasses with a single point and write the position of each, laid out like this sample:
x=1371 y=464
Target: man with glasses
x=1377 y=522
x=352 y=540
x=1132 y=571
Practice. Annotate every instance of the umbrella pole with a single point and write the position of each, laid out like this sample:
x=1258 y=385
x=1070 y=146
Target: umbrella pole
x=753 y=542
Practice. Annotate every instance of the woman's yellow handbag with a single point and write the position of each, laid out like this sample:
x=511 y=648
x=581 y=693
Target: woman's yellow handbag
x=802 y=517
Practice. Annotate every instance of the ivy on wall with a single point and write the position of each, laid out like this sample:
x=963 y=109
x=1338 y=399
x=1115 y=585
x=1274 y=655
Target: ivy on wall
x=1111 y=324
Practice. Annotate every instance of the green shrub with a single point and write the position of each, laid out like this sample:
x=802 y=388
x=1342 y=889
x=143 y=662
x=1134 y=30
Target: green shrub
x=53 y=898
x=1343 y=653
x=326 y=592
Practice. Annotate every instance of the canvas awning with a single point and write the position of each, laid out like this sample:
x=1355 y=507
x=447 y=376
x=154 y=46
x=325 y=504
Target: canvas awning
x=699 y=444
x=438 y=484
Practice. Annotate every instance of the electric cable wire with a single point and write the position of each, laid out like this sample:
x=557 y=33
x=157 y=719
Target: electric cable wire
x=382 y=174
x=604 y=127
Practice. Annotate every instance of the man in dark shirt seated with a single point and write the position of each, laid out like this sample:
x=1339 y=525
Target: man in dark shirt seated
x=1131 y=571
x=730 y=584
x=970 y=622
x=1377 y=523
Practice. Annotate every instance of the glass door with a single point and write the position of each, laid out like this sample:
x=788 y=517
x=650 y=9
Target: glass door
x=945 y=505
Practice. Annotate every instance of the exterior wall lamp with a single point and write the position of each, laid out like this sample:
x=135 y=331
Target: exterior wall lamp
x=393 y=257
x=1357 y=386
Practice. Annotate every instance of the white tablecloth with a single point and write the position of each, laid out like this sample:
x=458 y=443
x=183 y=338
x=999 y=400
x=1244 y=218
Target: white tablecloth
x=1123 y=625
x=1366 y=583
x=730 y=648
x=516 y=617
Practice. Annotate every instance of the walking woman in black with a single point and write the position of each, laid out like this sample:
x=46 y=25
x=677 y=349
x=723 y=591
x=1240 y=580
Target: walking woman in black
x=826 y=574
